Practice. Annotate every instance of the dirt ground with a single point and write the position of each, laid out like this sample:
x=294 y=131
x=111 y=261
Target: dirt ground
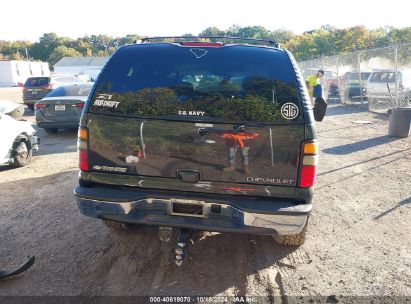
x=358 y=244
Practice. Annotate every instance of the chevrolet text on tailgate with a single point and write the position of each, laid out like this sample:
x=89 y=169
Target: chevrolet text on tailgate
x=215 y=136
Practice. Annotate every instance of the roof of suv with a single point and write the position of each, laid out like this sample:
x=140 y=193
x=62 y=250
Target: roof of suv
x=211 y=40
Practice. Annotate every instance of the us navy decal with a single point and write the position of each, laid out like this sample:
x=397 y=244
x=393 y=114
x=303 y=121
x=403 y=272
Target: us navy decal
x=191 y=113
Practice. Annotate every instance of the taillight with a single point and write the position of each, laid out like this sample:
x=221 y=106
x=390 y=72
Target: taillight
x=25 y=90
x=83 y=160
x=203 y=44
x=78 y=105
x=83 y=148
x=308 y=165
x=307 y=178
x=39 y=106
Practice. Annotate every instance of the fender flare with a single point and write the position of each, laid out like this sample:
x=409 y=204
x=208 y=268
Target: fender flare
x=19 y=138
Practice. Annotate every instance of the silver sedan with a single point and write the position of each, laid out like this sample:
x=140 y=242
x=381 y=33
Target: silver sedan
x=62 y=107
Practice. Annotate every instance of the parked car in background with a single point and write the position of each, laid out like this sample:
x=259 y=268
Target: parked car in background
x=35 y=88
x=344 y=78
x=355 y=87
x=61 y=108
x=84 y=77
x=385 y=86
x=18 y=139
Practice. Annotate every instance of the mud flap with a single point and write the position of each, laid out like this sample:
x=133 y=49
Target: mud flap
x=23 y=267
x=320 y=108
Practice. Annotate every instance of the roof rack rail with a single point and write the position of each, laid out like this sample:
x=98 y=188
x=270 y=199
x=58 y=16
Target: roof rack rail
x=269 y=42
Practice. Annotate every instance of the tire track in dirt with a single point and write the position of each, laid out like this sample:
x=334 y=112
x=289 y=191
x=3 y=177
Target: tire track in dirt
x=256 y=283
x=162 y=266
x=216 y=265
x=122 y=255
x=280 y=275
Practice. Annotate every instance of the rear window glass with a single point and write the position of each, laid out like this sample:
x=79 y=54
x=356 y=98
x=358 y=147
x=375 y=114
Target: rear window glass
x=37 y=81
x=70 y=91
x=227 y=84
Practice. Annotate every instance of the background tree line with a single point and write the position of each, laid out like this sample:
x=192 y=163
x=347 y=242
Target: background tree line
x=325 y=41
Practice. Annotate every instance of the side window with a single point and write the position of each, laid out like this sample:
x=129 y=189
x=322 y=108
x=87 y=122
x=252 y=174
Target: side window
x=377 y=77
x=384 y=77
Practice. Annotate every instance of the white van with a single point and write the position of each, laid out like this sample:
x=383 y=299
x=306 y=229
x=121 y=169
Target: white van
x=386 y=86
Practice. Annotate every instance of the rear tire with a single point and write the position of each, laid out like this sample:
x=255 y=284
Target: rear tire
x=292 y=240
x=23 y=154
x=50 y=130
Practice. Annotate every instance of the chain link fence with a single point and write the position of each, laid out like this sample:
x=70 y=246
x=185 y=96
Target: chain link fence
x=379 y=78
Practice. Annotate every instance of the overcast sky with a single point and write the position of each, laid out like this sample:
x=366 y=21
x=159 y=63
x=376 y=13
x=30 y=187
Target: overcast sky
x=28 y=19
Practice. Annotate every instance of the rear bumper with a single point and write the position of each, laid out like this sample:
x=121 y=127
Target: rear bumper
x=225 y=214
x=58 y=125
x=56 y=122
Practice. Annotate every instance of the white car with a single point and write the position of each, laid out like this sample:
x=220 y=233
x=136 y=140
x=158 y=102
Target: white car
x=17 y=141
x=382 y=85
x=12 y=109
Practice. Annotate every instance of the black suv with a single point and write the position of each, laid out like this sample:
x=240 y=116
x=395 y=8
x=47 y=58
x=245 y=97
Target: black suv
x=200 y=135
x=36 y=88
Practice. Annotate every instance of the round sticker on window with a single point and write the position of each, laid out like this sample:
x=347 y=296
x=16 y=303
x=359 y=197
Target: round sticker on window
x=289 y=110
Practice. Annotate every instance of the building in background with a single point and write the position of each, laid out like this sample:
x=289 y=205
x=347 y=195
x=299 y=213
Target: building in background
x=15 y=72
x=88 y=66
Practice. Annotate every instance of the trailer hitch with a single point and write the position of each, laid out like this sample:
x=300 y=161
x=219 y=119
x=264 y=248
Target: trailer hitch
x=23 y=267
x=184 y=239
x=180 y=251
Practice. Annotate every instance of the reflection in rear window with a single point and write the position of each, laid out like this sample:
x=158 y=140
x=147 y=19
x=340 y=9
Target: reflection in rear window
x=77 y=90
x=37 y=81
x=233 y=83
